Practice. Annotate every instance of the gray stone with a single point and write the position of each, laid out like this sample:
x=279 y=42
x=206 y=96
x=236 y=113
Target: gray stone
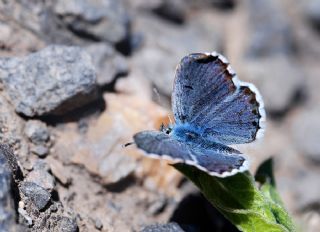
x=37 y=132
x=98 y=224
x=40 y=164
x=170 y=227
x=107 y=61
x=66 y=224
x=173 y=10
x=40 y=150
x=269 y=29
x=54 y=80
x=101 y=19
x=42 y=178
x=38 y=195
x=279 y=83
x=11 y=158
x=7 y=210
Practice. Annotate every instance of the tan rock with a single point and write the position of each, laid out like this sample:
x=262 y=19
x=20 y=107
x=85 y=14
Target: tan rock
x=101 y=149
x=58 y=170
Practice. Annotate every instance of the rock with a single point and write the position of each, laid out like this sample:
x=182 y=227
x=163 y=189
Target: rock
x=11 y=130
x=103 y=153
x=98 y=224
x=34 y=24
x=155 y=207
x=58 y=170
x=54 y=80
x=279 y=83
x=54 y=31
x=312 y=12
x=16 y=40
x=108 y=62
x=41 y=165
x=161 y=53
x=269 y=29
x=223 y=4
x=40 y=150
x=262 y=53
x=100 y=150
x=133 y=83
x=7 y=209
x=104 y=20
x=38 y=195
x=12 y=161
x=26 y=13
x=24 y=214
x=173 y=10
x=41 y=176
x=170 y=227
x=37 y=132
x=137 y=5
x=66 y=224
x=306 y=134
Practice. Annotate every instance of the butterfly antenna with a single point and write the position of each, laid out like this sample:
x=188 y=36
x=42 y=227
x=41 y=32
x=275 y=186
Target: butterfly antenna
x=127 y=144
x=156 y=92
x=170 y=119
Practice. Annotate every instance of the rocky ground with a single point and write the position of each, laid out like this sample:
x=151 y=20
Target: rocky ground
x=79 y=78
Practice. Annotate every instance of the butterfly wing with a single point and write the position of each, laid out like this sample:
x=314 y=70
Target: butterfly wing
x=216 y=159
x=208 y=95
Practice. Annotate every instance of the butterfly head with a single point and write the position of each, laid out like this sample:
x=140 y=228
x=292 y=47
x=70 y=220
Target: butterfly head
x=166 y=129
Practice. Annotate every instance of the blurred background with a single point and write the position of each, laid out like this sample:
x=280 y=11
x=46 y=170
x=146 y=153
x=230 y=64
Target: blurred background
x=79 y=78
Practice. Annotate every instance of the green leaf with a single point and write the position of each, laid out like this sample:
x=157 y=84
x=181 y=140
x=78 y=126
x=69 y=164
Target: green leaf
x=240 y=201
x=264 y=176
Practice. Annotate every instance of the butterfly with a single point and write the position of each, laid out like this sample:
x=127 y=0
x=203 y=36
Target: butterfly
x=212 y=109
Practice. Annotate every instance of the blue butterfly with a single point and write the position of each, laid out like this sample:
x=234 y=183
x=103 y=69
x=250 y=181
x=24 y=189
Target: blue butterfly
x=212 y=109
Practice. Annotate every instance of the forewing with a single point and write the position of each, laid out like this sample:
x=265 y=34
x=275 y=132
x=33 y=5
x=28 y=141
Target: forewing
x=215 y=159
x=158 y=144
x=208 y=95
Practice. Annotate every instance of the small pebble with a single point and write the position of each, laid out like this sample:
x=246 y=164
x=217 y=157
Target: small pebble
x=98 y=224
x=37 y=132
x=40 y=150
x=38 y=195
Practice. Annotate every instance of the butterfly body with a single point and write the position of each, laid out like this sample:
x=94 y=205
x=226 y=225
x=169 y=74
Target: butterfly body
x=212 y=109
x=186 y=133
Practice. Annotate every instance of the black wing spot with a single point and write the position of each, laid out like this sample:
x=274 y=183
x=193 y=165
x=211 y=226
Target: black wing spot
x=183 y=117
x=255 y=123
x=255 y=111
x=188 y=87
x=205 y=59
